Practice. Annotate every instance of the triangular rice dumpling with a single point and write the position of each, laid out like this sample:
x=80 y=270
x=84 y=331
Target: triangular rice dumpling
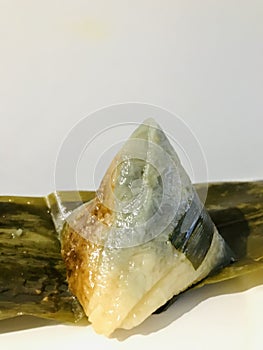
x=144 y=238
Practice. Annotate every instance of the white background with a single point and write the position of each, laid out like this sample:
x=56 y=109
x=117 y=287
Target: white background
x=203 y=60
x=61 y=60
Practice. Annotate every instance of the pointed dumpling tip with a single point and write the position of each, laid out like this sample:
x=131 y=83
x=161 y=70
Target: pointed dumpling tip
x=146 y=130
x=151 y=122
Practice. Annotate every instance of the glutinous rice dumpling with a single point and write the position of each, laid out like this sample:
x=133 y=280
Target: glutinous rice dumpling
x=143 y=239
